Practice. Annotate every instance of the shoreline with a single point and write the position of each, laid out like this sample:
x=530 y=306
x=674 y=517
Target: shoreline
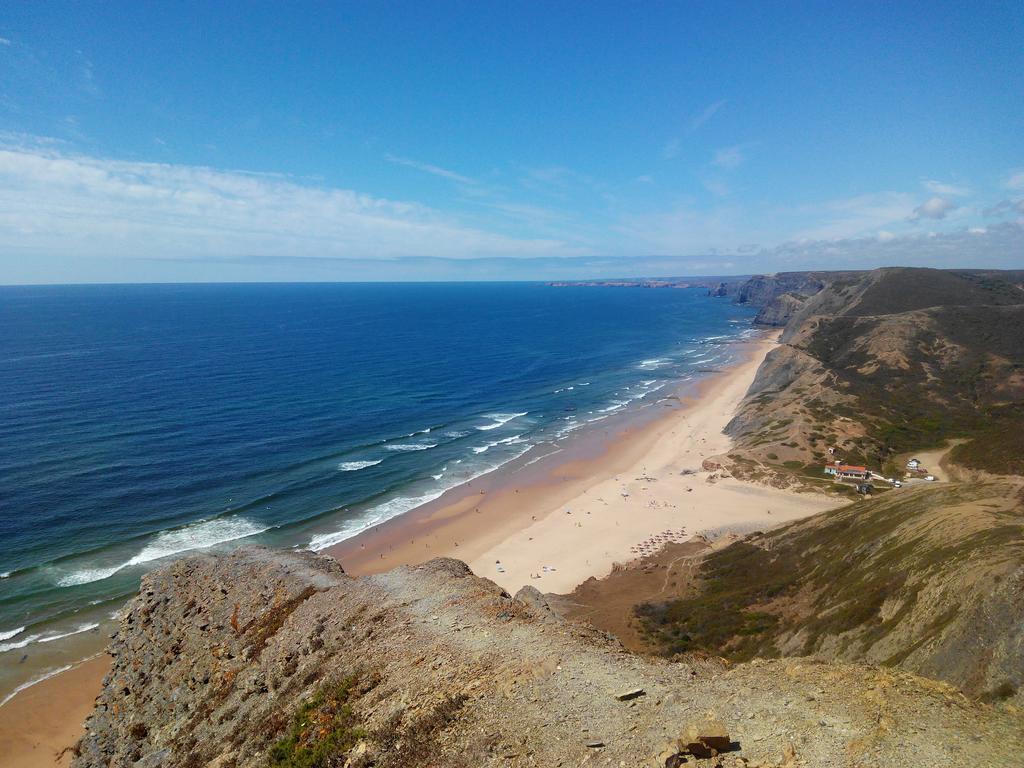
x=552 y=523
x=574 y=515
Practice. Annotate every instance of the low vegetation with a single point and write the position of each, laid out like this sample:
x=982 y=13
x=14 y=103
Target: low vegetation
x=323 y=729
x=851 y=583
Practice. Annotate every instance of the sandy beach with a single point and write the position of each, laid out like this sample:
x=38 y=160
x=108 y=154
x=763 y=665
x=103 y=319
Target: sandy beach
x=40 y=725
x=621 y=493
x=644 y=486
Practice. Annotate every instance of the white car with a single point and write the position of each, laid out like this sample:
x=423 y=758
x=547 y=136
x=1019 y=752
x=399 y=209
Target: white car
x=929 y=477
x=897 y=484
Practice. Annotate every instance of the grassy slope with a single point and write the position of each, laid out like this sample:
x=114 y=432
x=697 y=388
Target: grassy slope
x=888 y=580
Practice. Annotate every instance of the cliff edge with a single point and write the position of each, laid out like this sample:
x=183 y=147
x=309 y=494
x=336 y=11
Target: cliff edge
x=280 y=658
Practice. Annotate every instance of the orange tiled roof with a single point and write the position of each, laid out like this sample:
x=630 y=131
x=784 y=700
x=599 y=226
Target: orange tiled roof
x=851 y=468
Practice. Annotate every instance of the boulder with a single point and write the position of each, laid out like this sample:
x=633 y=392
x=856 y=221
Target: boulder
x=706 y=738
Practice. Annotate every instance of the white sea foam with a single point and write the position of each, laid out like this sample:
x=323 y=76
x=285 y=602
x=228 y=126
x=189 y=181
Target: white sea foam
x=395 y=507
x=419 y=432
x=4 y=647
x=11 y=633
x=411 y=446
x=650 y=365
x=506 y=441
x=5 y=574
x=497 y=419
x=77 y=631
x=456 y=434
x=352 y=466
x=33 y=681
x=195 y=536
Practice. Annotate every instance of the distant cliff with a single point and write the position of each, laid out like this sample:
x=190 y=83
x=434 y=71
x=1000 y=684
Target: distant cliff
x=778 y=296
x=267 y=658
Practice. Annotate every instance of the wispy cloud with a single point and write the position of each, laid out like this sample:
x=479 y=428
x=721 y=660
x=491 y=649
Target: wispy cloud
x=851 y=217
x=434 y=170
x=995 y=247
x=706 y=114
x=1004 y=207
x=934 y=208
x=59 y=203
x=671 y=149
x=942 y=188
x=4 y=41
x=1015 y=180
x=729 y=158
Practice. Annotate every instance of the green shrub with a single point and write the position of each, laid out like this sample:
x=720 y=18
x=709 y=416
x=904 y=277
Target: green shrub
x=323 y=730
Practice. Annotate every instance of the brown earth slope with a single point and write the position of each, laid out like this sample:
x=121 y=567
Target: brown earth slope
x=278 y=658
x=930 y=580
x=890 y=361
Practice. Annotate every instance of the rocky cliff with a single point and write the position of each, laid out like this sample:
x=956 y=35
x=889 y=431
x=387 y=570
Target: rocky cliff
x=778 y=296
x=268 y=658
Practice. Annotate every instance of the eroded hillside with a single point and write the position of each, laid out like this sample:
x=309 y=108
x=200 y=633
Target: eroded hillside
x=890 y=361
x=278 y=658
x=931 y=580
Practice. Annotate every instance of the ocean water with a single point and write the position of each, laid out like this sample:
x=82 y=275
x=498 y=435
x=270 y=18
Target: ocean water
x=139 y=423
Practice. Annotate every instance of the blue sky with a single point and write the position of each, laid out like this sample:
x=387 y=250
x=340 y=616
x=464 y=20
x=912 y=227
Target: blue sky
x=224 y=141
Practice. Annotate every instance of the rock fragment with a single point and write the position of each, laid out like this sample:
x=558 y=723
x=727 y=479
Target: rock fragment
x=706 y=738
x=632 y=693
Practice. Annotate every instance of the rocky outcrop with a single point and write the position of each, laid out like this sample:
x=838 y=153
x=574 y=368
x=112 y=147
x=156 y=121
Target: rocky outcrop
x=779 y=296
x=761 y=290
x=779 y=310
x=261 y=658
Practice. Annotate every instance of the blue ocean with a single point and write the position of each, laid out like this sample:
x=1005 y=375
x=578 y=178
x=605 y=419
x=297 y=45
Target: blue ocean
x=138 y=423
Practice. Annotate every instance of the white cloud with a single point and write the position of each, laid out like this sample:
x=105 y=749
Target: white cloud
x=434 y=170
x=1015 y=180
x=4 y=41
x=942 y=188
x=728 y=157
x=997 y=247
x=58 y=203
x=934 y=208
x=671 y=149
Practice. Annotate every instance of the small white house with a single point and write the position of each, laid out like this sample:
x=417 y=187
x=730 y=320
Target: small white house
x=914 y=464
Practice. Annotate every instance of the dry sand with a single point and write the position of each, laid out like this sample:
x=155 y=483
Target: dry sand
x=552 y=528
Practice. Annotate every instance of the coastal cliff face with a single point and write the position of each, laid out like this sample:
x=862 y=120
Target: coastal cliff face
x=268 y=658
x=778 y=296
